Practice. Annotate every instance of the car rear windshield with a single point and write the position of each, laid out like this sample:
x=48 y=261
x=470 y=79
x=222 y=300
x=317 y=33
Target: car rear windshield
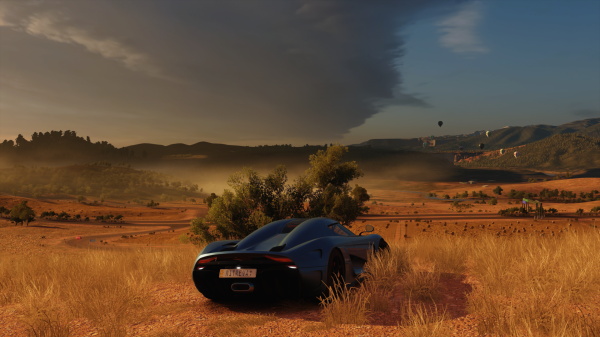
x=290 y=226
x=341 y=230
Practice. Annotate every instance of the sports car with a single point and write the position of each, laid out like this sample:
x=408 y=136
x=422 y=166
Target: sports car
x=285 y=258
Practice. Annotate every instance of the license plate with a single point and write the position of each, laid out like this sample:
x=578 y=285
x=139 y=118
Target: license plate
x=237 y=273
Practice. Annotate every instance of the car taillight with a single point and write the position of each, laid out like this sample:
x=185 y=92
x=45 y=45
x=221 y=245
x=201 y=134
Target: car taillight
x=278 y=258
x=204 y=261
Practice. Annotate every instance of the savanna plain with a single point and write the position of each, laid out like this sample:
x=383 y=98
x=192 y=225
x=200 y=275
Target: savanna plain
x=451 y=270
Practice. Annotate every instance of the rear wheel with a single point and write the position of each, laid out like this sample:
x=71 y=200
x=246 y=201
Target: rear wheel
x=336 y=268
x=383 y=246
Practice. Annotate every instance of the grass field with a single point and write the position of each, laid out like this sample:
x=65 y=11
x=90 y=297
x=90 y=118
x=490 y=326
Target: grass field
x=495 y=277
x=431 y=286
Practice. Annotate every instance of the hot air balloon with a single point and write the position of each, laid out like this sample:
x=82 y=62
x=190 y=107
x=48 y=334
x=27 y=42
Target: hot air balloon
x=424 y=144
x=431 y=136
x=440 y=123
x=487 y=133
x=460 y=148
x=502 y=151
x=481 y=146
x=516 y=154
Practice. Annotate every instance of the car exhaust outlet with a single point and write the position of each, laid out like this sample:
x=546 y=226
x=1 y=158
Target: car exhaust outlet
x=242 y=287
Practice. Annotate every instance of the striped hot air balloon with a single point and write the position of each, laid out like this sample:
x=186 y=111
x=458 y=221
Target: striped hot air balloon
x=516 y=154
x=502 y=151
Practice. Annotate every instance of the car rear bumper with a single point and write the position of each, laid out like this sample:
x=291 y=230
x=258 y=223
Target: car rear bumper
x=273 y=282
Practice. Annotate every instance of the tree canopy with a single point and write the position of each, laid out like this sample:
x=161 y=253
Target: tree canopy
x=254 y=200
x=22 y=213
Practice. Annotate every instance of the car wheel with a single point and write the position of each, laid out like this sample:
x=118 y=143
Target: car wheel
x=383 y=245
x=336 y=268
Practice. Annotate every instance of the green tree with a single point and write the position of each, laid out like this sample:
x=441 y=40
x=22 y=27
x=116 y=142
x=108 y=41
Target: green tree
x=22 y=213
x=152 y=204
x=493 y=201
x=580 y=211
x=498 y=190
x=210 y=199
x=255 y=200
x=81 y=198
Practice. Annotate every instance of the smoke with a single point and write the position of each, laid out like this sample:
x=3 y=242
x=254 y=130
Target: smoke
x=230 y=70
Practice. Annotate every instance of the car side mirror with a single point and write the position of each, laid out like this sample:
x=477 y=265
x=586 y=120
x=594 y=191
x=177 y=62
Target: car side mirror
x=368 y=229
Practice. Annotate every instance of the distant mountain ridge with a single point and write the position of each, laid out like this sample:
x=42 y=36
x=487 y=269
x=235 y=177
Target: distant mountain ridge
x=509 y=136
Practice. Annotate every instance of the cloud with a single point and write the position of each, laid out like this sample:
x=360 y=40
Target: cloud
x=586 y=112
x=458 y=30
x=52 y=25
x=260 y=69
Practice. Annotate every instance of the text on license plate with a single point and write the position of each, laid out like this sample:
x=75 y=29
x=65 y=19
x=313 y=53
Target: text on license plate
x=237 y=273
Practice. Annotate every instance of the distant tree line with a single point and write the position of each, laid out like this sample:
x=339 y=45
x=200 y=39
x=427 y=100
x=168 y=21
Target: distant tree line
x=104 y=181
x=59 y=145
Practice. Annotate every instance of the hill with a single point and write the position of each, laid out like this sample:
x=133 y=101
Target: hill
x=94 y=181
x=502 y=138
x=560 y=152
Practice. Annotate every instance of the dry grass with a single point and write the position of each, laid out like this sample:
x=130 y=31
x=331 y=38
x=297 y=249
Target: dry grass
x=537 y=314
x=345 y=306
x=528 y=285
x=533 y=286
x=107 y=287
x=239 y=325
x=423 y=284
x=419 y=320
x=543 y=265
x=169 y=333
x=448 y=253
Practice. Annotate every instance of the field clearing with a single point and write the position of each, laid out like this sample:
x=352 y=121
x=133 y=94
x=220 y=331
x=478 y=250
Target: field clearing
x=491 y=276
x=38 y=238
x=169 y=303
x=130 y=212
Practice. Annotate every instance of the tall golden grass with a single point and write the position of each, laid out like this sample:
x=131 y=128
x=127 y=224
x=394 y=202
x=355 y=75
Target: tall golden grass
x=110 y=288
x=528 y=285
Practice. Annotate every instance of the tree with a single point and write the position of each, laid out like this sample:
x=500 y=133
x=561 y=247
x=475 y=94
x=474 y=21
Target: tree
x=210 y=199
x=22 y=213
x=579 y=211
x=256 y=200
x=81 y=198
x=493 y=201
x=498 y=190
x=152 y=204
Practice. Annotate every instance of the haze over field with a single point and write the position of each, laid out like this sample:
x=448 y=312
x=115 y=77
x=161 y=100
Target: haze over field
x=294 y=72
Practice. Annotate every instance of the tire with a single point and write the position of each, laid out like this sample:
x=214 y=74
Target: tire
x=383 y=246
x=335 y=266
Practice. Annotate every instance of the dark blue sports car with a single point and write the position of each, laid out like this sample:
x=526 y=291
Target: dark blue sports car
x=285 y=258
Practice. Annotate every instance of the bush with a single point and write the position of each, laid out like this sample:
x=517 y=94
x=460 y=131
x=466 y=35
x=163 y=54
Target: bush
x=493 y=201
x=183 y=238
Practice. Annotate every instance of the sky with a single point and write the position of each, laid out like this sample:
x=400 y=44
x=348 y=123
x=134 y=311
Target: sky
x=255 y=72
